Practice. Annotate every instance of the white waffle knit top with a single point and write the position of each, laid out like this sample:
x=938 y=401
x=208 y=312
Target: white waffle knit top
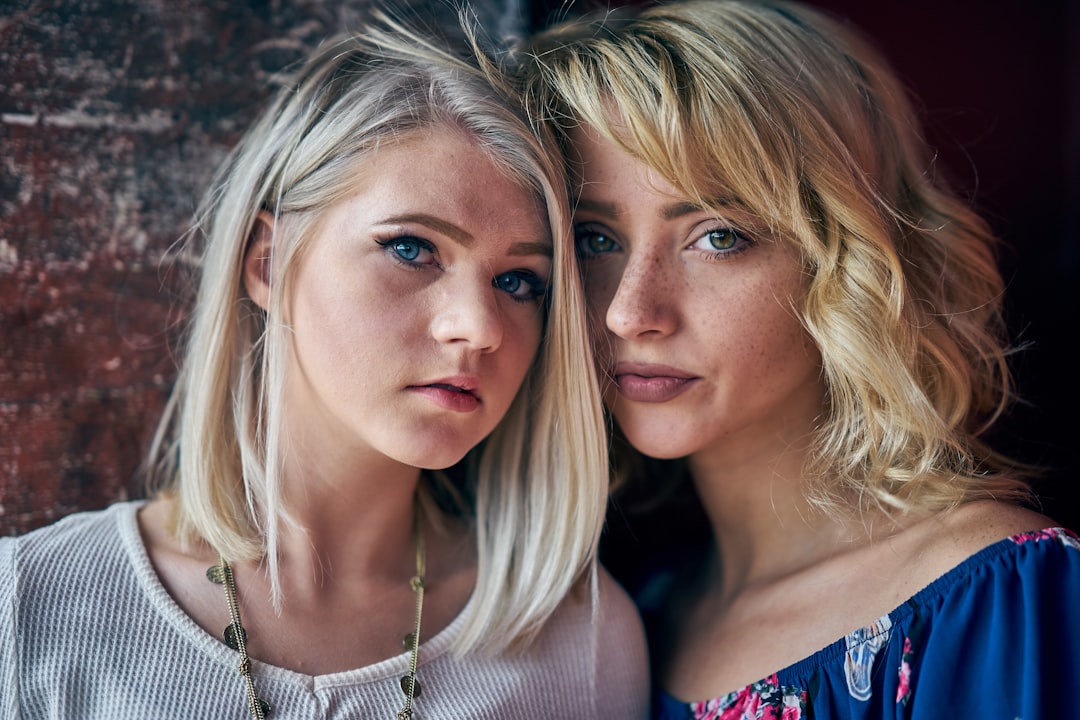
x=88 y=631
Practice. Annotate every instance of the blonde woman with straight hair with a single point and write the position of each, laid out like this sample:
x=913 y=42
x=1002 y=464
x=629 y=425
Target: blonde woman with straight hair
x=799 y=332
x=383 y=471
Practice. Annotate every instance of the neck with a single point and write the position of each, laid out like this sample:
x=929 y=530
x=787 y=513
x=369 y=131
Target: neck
x=352 y=517
x=759 y=518
x=753 y=490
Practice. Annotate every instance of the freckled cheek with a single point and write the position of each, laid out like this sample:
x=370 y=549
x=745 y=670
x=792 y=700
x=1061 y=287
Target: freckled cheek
x=751 y=323
x=781 y=348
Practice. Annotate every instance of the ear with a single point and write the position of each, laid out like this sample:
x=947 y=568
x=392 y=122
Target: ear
x=257 y=260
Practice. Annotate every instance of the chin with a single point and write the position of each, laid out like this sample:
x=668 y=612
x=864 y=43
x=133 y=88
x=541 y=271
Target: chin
x=660 y=453
x=436 y=465
x=430 y=444
x=439 y=462
x=655 y=445
x=440 y=454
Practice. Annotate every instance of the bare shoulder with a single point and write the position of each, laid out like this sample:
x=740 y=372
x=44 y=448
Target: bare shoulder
x=975 y=525
x=947 y=539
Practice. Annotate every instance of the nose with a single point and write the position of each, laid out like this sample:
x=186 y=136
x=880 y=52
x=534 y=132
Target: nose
x=468 y=314
x=643 y=302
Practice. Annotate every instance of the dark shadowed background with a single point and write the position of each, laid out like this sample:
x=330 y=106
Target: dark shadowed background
x=114 y=114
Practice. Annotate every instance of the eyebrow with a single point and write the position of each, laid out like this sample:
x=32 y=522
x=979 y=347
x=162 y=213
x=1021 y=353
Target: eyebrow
x=458 y=235
x=531 y=248
x=596 y=206
x=672 y=211
x=677 y=210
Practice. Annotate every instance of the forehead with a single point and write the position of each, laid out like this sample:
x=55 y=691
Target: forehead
x=605 y=170
x=442 y=173
x=598 y=159
x=603 y=166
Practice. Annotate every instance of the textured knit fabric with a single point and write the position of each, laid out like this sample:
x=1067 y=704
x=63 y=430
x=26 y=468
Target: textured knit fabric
x=87 y=631
x=997 y=637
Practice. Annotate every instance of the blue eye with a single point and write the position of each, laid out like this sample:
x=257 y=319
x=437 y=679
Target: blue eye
x=509 y=283
x=522 y=286
x=409 y=250
x=591 y=242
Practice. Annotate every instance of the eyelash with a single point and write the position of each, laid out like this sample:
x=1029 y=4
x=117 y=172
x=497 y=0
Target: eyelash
x=583 y=232
x=391 y=246
x=727 y=253
x=538 y=288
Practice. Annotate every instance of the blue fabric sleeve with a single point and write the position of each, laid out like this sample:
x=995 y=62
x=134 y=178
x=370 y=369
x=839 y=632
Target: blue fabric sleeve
x=1004 y=642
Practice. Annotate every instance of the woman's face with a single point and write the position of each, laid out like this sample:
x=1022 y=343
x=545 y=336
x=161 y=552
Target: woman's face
x=418 y=305
x=700 y=349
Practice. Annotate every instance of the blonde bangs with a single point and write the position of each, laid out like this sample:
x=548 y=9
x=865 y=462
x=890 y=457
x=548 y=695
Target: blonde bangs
x=782 y=110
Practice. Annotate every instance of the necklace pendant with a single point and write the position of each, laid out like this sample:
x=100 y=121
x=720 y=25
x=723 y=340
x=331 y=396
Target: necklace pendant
x=216 y=574
x=236 y=637
x=410 y=682
x=232 y=635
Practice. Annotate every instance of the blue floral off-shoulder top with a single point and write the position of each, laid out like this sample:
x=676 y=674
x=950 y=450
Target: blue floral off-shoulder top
x=998 y=636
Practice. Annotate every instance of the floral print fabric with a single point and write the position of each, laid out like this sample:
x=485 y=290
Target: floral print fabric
x=996 y=637
x=765 y=700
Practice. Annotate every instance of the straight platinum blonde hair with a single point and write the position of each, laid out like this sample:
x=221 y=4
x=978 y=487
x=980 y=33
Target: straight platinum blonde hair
x=536 y=488
x=793 y=115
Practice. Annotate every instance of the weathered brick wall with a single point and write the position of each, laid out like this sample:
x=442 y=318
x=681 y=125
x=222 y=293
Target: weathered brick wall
x=113 y=115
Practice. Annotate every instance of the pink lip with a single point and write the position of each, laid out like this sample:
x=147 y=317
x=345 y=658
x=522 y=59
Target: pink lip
x=453 y=393
x=650 y=383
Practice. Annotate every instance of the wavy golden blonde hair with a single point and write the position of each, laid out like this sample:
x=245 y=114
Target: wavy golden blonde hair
x=800 y=119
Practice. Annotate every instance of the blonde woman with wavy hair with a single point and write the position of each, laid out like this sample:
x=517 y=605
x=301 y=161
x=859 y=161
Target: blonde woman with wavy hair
x=383 y=469
x=796 y=320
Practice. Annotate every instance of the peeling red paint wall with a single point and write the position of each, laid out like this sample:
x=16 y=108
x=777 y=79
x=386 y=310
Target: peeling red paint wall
x=113 y=116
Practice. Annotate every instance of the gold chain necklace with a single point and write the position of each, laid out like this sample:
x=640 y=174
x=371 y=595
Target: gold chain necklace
x=236 y=637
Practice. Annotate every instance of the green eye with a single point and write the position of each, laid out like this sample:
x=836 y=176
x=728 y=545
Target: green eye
x=722 y=239
x=591 y=242
x=722 y=242
x=600 y=243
